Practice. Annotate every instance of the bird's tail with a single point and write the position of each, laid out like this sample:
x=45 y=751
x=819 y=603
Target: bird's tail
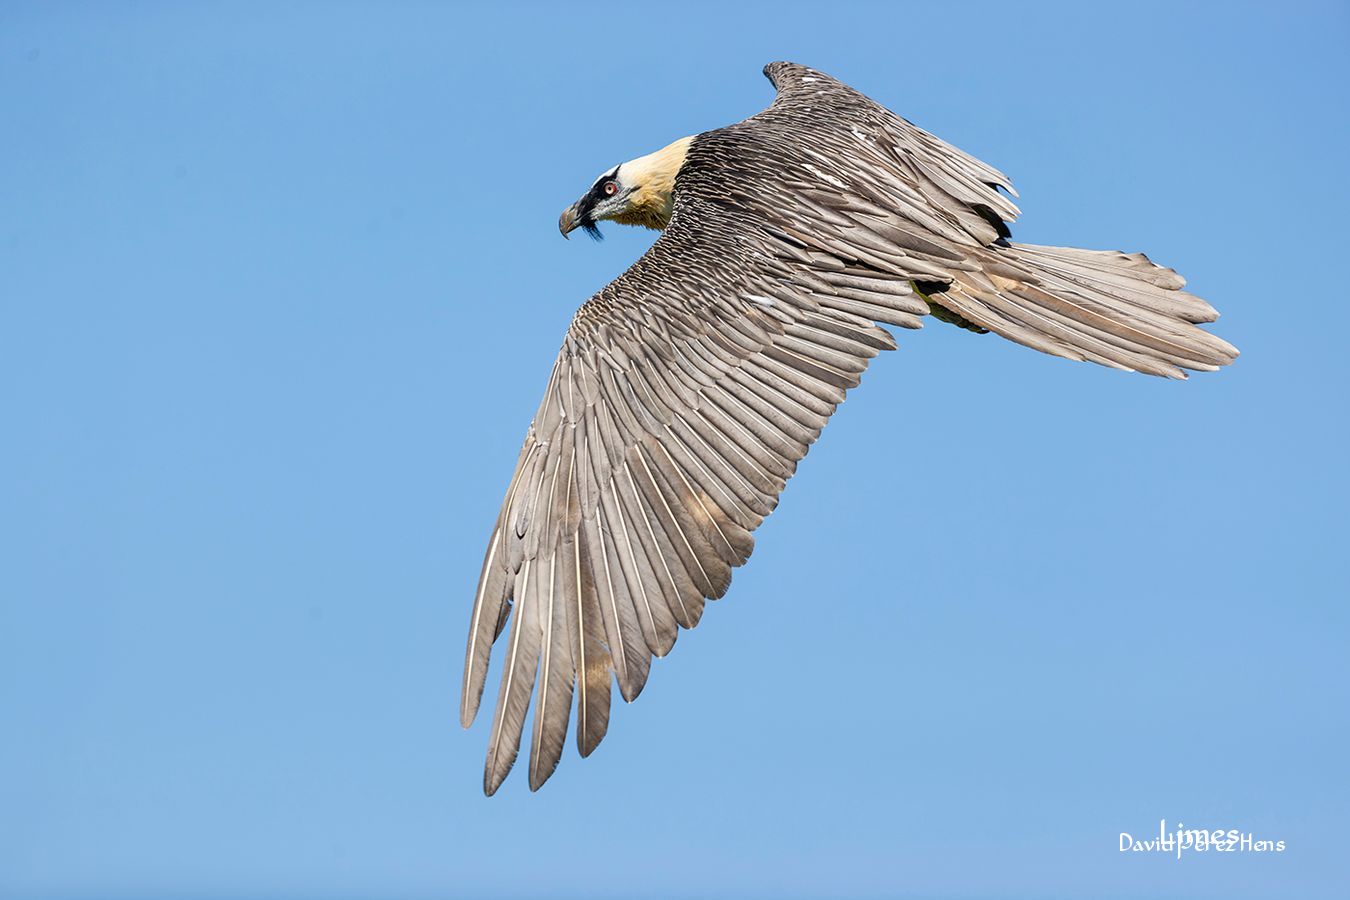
x=1113 y=308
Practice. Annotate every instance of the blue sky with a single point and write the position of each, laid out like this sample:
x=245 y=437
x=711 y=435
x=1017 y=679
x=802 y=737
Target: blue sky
x=280 y=285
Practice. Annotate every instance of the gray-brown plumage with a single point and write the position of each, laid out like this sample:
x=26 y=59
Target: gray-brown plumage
x=687 y=390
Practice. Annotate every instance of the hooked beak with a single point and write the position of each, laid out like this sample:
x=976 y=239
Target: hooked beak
x=569 y=220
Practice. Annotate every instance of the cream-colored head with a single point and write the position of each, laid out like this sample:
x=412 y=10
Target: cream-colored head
x=638 y=192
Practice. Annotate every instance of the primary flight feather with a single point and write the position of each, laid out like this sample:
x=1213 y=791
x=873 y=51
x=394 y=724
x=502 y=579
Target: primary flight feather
x=688 y=389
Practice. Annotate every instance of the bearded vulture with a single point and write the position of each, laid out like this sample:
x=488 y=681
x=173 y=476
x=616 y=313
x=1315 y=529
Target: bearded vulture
x=687 y=390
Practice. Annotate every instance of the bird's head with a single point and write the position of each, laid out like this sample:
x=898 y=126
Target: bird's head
x=638 y=192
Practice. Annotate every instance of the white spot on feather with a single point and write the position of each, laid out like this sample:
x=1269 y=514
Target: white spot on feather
x=823 y=176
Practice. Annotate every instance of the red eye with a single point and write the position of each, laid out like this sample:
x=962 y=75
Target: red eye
x=610 y=188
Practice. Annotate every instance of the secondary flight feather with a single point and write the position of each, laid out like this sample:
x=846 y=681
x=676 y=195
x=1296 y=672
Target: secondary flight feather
x=687 y=390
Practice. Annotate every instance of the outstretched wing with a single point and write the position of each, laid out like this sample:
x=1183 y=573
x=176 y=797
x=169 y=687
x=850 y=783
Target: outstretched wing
x=687 y=390
x=684 y=396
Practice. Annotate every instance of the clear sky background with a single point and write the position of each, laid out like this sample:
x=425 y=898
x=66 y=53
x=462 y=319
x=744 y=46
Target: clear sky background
x=280 y=286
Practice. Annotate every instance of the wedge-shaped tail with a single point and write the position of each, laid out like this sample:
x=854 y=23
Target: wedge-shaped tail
x=1117 y=309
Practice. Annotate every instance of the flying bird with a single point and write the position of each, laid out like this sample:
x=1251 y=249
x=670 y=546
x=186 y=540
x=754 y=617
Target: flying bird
x=689 y=388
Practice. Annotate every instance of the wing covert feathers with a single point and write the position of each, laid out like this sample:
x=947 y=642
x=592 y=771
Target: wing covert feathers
x=688 y=390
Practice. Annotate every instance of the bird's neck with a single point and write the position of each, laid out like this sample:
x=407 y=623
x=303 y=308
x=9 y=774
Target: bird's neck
x=653 y=202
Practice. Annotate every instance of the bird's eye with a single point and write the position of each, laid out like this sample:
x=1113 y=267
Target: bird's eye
x=610 y=188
